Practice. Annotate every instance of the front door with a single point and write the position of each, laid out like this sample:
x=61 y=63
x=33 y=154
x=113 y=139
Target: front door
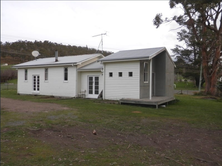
x=36 y=85
x=93 y=86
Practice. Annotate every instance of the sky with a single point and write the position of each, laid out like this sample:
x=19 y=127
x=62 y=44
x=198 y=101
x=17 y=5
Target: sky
x=128 y=24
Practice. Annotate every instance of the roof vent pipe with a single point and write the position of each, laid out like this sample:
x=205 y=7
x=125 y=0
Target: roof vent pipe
x=56 y=56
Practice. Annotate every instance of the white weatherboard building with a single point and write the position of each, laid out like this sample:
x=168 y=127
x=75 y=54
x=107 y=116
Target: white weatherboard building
x=133 y=74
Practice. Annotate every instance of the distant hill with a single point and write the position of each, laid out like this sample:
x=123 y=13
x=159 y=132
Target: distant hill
x=20 y=51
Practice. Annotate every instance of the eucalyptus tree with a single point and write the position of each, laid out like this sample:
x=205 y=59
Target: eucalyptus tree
x=203 y=20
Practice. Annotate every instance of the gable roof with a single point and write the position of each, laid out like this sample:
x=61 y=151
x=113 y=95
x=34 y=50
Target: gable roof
x=65 y=60
x=95 y=66
x=138 y=54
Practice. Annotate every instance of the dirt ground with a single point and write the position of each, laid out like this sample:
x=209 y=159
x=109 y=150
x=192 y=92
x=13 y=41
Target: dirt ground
x=205 y=146
x=28 y=106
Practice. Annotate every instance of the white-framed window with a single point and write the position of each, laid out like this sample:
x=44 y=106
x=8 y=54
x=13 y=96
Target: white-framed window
x=46 y=74
x=110 y=74
x=66 y=74
x=120 y=74
x=36 y=83
x=130 y=74
x=26 y=74
x=145 y=72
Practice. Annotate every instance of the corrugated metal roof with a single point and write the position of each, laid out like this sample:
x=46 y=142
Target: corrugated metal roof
x=96 y=66
x=72 y=59
x=134 y=54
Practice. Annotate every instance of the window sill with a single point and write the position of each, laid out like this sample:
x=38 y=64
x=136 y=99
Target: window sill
x=65 y=81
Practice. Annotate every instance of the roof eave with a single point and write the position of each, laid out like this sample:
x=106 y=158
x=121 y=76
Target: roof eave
x=122 y=60
x=45 y=65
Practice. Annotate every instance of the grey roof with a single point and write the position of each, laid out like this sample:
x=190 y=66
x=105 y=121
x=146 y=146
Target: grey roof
x=147 y=53
x=72 y=59
x=96 y=66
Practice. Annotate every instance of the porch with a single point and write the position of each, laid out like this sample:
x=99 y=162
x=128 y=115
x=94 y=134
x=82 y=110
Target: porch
x=156 y=101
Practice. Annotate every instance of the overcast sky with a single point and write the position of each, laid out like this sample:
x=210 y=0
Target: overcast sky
x=128 y=24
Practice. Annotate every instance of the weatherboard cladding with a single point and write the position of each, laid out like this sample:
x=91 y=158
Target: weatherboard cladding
x=119 y=87
x=73 y=59
x=134 y=54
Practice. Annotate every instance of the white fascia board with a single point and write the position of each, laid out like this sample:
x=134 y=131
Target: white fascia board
x=151 y=57
x=164 y=49
x=124 y=60
x=45 y=65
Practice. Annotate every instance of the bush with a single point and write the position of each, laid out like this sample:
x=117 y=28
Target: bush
x=8 y=74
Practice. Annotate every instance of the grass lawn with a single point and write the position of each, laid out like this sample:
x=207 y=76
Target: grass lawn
x=7 y=67
x=186 y=86
x=186 y=132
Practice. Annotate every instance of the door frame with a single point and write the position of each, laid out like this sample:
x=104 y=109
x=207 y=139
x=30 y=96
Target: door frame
x=87 y=93
x=37 y=82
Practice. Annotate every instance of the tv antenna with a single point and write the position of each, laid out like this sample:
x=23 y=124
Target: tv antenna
x=101 y=41
x=35 y=54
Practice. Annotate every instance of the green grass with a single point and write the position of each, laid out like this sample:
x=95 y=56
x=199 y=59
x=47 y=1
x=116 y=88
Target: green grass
x=185 y=86
x=7 y=67
x=191 y=109
x=10 y=85
x=19 y=147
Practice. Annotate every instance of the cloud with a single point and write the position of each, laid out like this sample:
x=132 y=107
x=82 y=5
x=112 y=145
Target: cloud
x=128 y=23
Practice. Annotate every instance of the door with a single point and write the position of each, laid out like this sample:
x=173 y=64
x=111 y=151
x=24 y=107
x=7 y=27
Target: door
x=93 y=86
x=36 y=85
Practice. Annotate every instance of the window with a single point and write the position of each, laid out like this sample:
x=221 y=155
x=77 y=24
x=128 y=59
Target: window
x=26 y=74
x=36 y=83
x=46 y=74
x=130 y=74
x=110 y=74
x=66 y=74
x=146 y=73
x=120 y=74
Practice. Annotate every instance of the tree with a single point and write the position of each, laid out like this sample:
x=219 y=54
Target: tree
x=203 y=20
x=190 y=56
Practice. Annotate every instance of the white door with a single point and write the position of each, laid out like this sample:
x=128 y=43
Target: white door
x=93 y=86
x=36 y=85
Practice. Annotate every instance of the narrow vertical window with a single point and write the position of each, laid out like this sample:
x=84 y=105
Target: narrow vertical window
x=120 y=74
x=46 y=74
x=66 y=74
x=110 y=74
x=145 y=71
x=130 y=74
x=26 y=74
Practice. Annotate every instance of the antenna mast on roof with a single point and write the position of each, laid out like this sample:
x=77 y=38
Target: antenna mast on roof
x=101 y=41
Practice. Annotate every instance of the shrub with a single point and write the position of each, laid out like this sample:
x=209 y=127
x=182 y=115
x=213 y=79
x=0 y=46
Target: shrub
x=8 y=74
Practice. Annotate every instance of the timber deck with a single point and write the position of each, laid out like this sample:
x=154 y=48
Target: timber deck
x=156 y=101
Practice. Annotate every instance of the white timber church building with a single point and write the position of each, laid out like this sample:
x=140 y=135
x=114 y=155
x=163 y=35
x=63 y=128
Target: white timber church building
x=132 y=74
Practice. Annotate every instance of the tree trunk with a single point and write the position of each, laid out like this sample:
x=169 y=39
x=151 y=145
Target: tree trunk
x=216 y=63
x=210 y=75
x=205 y=69
x=213 y=86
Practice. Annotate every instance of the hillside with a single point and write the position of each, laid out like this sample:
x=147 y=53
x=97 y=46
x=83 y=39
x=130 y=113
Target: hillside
x=20 y=51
